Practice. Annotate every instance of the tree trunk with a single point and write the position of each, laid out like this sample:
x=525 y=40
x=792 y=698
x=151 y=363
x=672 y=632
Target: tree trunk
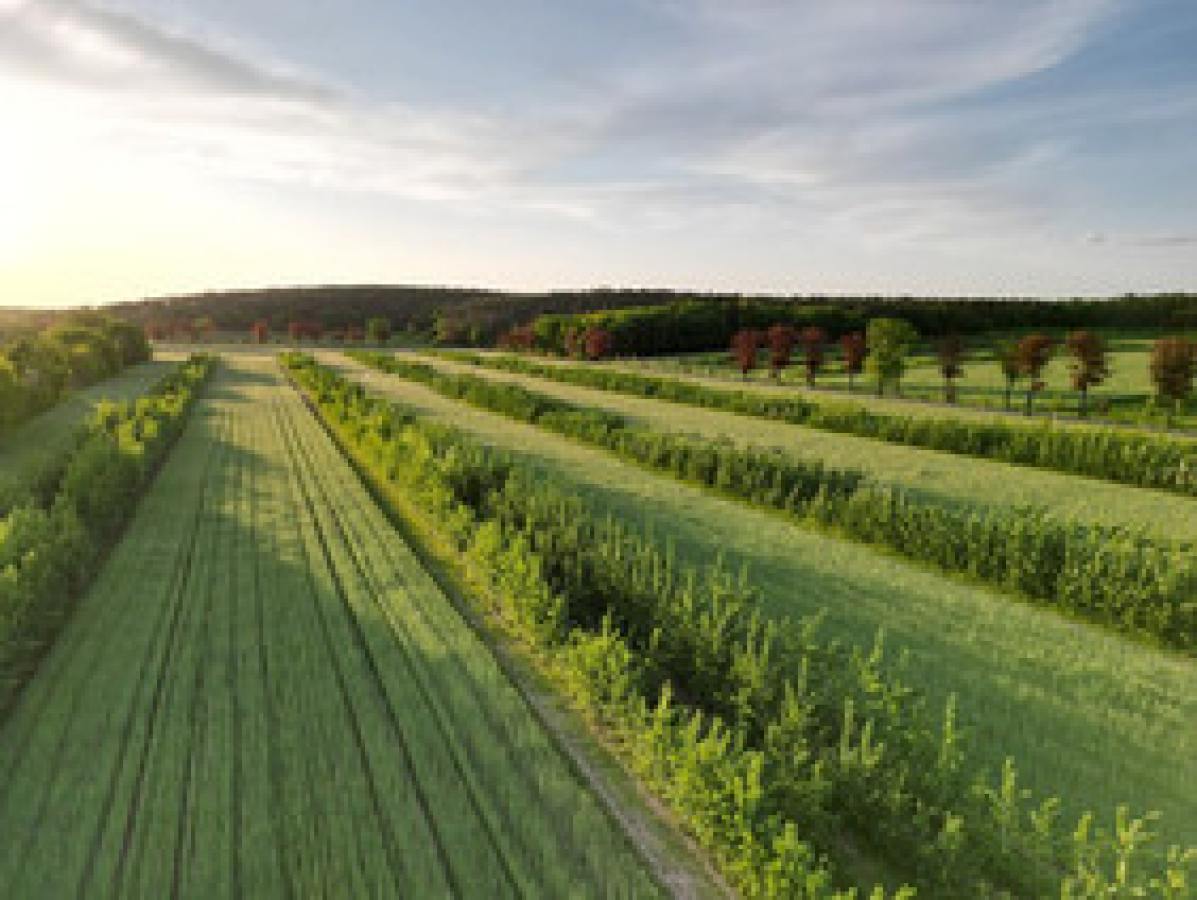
x=1009 y=392
x=1030 y=400
x=1084 y=402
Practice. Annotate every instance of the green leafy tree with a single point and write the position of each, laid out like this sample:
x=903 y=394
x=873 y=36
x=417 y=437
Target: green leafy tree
x=378 y=329
x=889 y=342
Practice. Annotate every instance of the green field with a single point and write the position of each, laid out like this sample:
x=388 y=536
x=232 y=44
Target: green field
x=265 y=694
x=1030 y=684
x=1124 y=397
x=943 y=476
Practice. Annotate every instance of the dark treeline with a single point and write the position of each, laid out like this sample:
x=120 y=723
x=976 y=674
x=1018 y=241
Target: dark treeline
x=450 y=315
x=642 y=321
x=691 y=325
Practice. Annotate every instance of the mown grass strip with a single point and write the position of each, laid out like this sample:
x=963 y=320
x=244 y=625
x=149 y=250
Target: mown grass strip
x=1111 y=454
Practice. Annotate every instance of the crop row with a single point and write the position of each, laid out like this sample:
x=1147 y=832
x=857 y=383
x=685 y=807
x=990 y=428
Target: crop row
x=1110 y=454
x=49 y=550
x=769 y=742
x=1106 y=575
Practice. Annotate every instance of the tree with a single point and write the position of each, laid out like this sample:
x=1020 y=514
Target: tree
x=780 y=339
x=260 y=331
x=889 y=341
x=1089 y=366
x=572 y=342
x=518 y=338
x=853 y=348
x=596 y=342
x=203 y=326
x=1006 y=353
x=1173 y=360
x=813 y=340
x=744 y=346
x=1033 y=353
x=355 y=333
x=949 y=351
x=378 y=329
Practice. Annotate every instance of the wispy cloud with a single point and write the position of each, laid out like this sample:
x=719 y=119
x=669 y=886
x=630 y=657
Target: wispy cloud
x=900 y=125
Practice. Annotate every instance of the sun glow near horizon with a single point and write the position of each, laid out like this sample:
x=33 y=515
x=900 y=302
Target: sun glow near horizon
x=976 y=151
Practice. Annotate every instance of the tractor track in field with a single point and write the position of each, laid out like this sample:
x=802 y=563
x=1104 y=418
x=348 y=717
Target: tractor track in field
x=273 y=750
x=361 y=534
x=464 y=773
x=176 y=593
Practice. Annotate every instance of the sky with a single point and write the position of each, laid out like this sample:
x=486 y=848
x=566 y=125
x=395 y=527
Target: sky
x=938 y=147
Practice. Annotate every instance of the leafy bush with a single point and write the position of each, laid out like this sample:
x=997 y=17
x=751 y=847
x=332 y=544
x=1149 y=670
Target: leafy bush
x=48 y=553
x=779 y=750
x=36 y=370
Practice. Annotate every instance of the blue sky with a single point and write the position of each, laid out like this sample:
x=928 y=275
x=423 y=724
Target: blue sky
x=893 y=146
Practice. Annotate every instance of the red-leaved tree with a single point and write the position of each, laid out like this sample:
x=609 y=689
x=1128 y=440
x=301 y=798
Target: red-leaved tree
x=814 y=350
x=1173 y=362
x=260 y=331
x=1089 y=366
x=520 y=338
x=744 y=347
x=949 y=351
x=596 y=342
x=780 y=339
x=1032 y=354
x=853 y=348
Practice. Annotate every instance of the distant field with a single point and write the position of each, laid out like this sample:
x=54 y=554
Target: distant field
x=1126 y=392
x=264 y=694
x=1099 y=719
x=947 y=477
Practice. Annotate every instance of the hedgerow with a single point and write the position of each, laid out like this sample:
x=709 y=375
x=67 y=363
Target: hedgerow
x=1111 y=454
x=49 y=552
x=783 y=753
x=1107 y=575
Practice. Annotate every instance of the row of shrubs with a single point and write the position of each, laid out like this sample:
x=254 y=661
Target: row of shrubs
x=789 y=757
x=1107 y=575
x=1110 y=454
x=37 y=369
x=49 y=551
